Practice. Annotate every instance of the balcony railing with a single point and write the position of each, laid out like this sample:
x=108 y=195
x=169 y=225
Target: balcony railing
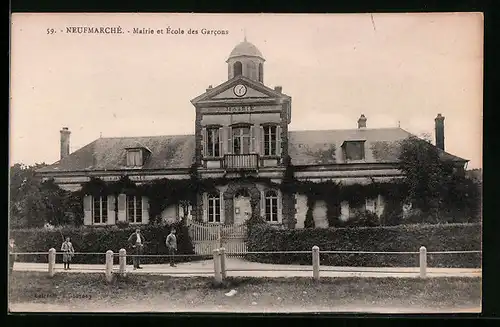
x=241 y=161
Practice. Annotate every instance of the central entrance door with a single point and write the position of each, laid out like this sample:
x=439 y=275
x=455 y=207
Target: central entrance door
x=242 y=207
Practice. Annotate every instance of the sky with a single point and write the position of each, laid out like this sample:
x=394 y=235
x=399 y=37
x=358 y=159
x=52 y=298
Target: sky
x=396 y=69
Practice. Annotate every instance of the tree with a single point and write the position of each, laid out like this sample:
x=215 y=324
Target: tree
x=34 y=203
x=439 y=188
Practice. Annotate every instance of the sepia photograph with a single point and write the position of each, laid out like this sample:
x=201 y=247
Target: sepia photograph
x=157 y=163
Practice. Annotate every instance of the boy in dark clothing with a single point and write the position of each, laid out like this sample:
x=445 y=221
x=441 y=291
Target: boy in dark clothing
x=171 y=243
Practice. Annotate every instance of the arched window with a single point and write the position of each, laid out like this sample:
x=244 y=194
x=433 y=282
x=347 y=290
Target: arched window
x=271 y=207
x=261 y=73
x=214 y=207
x=237 y=69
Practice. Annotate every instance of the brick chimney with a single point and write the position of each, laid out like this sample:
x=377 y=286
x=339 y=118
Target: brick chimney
x=439 y=120
x=278 y=89
x=362 y=121
x=65 y=133
x=209 y=88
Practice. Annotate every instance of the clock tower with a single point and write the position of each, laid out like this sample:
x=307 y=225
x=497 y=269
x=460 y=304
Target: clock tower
x=241 y=124
x=246 y=60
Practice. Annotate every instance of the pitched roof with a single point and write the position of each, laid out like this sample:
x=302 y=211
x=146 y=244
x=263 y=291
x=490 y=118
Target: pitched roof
x=177 y=151
x=325 y=147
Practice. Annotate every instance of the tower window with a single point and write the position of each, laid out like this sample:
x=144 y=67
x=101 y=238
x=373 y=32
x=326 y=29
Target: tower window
x=261 y=73
x=238 y=68
x=252 y=70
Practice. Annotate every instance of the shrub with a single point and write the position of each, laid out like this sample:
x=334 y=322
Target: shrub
x=100 y=240
x=403 y=238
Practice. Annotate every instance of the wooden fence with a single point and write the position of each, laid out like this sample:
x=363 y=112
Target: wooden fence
x=207 y=237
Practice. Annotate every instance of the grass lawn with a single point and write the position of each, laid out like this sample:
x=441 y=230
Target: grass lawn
x=90 y=292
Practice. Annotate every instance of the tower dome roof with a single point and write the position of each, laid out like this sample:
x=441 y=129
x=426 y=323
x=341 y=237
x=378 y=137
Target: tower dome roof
x=245 y=48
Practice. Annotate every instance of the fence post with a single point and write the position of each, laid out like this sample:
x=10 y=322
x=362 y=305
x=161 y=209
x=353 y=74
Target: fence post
x=315 y=262
x=223 y=262
x=109 y=265
x=52 y=262
x=217 y=268
x=123 y=261
x=423 y=262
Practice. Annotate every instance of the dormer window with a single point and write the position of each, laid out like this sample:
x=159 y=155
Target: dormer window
x=354 y=150
x=136 y=156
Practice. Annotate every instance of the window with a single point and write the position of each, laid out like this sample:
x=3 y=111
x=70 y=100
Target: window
x=134 y=158
x=213 y=145
x=241 y=140
x=261 y=73
x=134 y=209
x=100 y=209
x=237 y=68
x=354 y=150
x=270 y=140
x=271 y=206
x=252 y=70
x=214 y=208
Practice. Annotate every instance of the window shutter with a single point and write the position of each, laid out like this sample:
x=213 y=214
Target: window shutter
x=252 y=139
x=344 y=210
x=204 y=141
x=224 y=138
x=280 y=207
x=278 y=140
x=222 y=207
x=111 y=210
x=262 y=203
x=87 y=210
x=122 y=213
x=205 y=207
x=229 y=140
x=145 y=210
x=140 y=156
x=261 y=143
x=221 y=142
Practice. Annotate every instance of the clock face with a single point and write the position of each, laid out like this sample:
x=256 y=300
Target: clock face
x=240 y=90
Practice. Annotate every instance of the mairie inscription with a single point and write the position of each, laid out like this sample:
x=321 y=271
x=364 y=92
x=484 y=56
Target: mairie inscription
x=240 y=109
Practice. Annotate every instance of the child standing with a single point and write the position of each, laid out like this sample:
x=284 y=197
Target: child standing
x=68 y=253
x=12 y=256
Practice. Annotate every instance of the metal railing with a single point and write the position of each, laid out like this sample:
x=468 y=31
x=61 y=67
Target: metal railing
x=220 y=267
x=241 y=161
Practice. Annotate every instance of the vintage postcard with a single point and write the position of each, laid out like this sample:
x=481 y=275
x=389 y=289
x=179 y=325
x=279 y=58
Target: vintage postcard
x=246 y=162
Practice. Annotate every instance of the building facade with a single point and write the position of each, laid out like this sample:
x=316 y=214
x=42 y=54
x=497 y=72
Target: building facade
x=241 y=136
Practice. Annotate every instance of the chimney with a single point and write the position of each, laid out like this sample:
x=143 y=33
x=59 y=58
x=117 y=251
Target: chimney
x=209 y=88
x=64 y=142
x=362 y=121
x=439 y=120
x=278 y=89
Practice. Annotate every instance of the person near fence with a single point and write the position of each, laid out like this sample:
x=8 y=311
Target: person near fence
x=12 y=256
x=171 y=243
x=68 y=253
x=136 y=240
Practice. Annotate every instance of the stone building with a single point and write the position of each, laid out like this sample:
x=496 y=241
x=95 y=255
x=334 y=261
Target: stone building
x=241 y=131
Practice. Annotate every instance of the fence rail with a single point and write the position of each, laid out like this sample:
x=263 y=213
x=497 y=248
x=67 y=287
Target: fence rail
x=220 y=268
